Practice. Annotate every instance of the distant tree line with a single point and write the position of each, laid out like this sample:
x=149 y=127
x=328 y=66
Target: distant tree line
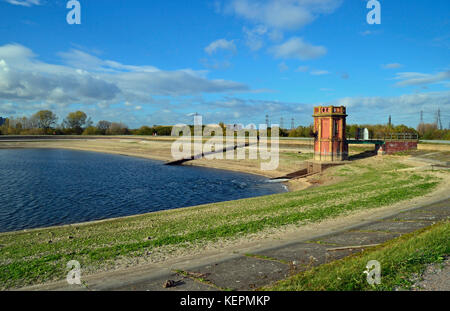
x=45 y=122
x=424 y=131
x=431 y=131
x=300 y=131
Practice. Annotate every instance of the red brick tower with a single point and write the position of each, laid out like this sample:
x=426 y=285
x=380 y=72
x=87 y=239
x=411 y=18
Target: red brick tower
x=330 y=143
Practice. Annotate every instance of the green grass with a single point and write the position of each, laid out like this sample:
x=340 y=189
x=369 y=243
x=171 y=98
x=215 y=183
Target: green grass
x=399 y=260
x=27 y=257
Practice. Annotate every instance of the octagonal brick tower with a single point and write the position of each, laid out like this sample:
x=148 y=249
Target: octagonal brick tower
x=330 y=143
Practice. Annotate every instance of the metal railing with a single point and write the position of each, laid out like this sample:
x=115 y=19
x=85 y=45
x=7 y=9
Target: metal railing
x=401 y=136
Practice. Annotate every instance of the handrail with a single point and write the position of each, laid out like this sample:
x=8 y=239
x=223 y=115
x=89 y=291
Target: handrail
x=392 y=136
x=401 y=136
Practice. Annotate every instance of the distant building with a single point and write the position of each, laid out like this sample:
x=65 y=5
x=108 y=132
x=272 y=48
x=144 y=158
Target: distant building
x=362 y=134
x=366 y=134
x=2 y=121
x=234 y=127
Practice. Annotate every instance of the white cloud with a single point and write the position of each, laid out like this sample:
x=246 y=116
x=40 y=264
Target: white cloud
x=253 y=106
x=319 y=72
x=25 y=79
x=82 y=60
x=416 y=78
x=402 y=103
x=254 y=37
x=392 y=66
x=103 y=105
x=27 y=3
x=297 y=48
x=7 y=108
x=272 y=17
x=405 y=109
x=275 y=35
x=221 y=44
x=282 y=14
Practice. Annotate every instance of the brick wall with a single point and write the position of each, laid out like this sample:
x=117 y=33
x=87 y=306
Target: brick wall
x=391 y=147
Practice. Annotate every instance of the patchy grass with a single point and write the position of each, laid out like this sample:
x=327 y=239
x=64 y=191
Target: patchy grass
x=263 y=257
x=299 y=156
x=399 y=259
x=404 y=153
x=36 y=256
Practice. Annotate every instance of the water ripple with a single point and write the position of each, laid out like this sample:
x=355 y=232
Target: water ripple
x=46 y=187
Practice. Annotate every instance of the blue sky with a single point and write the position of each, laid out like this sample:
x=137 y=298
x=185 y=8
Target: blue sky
x=157 y=62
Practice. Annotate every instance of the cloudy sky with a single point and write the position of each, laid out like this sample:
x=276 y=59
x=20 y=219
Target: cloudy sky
x=157 y=62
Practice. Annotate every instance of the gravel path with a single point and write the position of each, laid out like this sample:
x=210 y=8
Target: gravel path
x=436 y=277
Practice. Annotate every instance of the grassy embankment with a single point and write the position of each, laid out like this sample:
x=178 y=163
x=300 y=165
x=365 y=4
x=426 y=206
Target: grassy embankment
x=399 y=260
x=37 y=256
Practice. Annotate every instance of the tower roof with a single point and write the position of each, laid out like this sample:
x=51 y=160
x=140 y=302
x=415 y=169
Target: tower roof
x=324 y=111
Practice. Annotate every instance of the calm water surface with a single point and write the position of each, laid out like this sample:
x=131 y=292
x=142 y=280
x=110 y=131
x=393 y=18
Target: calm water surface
x=46 y=187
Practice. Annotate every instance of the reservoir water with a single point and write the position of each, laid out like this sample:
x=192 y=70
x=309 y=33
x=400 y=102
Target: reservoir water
x=47 y=187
